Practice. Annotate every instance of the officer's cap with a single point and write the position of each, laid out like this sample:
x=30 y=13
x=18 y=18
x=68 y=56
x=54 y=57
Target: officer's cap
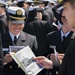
x=29 y=1
x=25 y=1
x=14 y=3
x=3 y=4
x=20 y=3
x=38 y=1
x=46 y=0
x=52 y=2
x=35 y=9
x=16 y=14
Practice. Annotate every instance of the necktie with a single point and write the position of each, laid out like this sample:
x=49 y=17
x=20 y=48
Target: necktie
x=63 y=42
x=15 y=39
x=64 y=38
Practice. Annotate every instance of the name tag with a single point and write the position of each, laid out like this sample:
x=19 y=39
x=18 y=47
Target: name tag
x=5 y=49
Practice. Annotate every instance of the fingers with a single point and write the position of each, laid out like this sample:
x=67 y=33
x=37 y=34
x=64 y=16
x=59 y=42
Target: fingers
x=52 y=57
x=7 y=58
x=39 y=58
x=60 y=54
x=7 y=55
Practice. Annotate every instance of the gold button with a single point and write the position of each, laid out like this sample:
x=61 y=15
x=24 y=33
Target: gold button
x=56 y=72
x=61 y=62
x=10 y=67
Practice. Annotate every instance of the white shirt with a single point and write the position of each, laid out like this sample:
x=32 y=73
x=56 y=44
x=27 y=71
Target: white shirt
x=62 y=34
x=12 y=36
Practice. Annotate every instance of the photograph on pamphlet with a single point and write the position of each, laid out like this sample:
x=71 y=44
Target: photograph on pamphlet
x=24 y=58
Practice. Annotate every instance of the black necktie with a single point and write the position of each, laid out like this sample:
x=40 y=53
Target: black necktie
x=15 y=39
x=63 y=42
x=64 y=38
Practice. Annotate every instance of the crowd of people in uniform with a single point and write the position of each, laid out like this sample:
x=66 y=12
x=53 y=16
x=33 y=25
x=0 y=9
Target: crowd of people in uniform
x=39 y=24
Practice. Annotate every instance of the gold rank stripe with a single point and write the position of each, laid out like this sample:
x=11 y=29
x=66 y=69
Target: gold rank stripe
x=1 y=5
x=36 y=1
x=17 y=18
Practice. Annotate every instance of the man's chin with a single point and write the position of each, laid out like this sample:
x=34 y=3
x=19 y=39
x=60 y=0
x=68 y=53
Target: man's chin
x=16 y=33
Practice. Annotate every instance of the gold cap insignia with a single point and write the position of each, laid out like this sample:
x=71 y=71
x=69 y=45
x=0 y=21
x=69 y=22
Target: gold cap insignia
x=34 y=0
x=19 y=12
x=1 y=5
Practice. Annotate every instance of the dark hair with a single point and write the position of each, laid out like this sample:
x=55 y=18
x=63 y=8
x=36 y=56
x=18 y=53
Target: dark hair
x=3 y=6
x=31 y=16
x=60 y=16
x=29 y=3
x=20 y=4
x=46 y=3
x=72 y=2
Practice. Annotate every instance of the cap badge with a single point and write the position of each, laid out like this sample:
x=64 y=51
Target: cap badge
x=19 y=12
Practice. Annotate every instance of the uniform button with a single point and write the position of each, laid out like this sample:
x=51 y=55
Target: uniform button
x=10 y=67
x=61 y=62
x=56 y=72
x=50 y=73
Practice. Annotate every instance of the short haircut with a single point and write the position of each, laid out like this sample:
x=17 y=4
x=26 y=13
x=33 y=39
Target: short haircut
x=46 y=3
x=20 y=4
x=72 y=2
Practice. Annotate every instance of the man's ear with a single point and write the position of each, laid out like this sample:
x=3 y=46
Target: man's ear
x=37 y=14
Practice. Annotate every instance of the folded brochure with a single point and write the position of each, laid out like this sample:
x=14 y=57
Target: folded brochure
x=24 y=59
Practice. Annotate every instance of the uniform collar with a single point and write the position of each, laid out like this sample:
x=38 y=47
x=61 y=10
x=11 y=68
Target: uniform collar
x=66 y=34
x=12 y=36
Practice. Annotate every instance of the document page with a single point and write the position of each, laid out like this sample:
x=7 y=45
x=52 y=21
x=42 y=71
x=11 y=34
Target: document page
x=29 y=66
x=15 y=48
x=16 y=60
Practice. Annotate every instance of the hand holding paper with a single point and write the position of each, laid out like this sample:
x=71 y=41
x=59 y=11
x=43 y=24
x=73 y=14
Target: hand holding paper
x=55 y=52
x=24 y=59
x=55 y=55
